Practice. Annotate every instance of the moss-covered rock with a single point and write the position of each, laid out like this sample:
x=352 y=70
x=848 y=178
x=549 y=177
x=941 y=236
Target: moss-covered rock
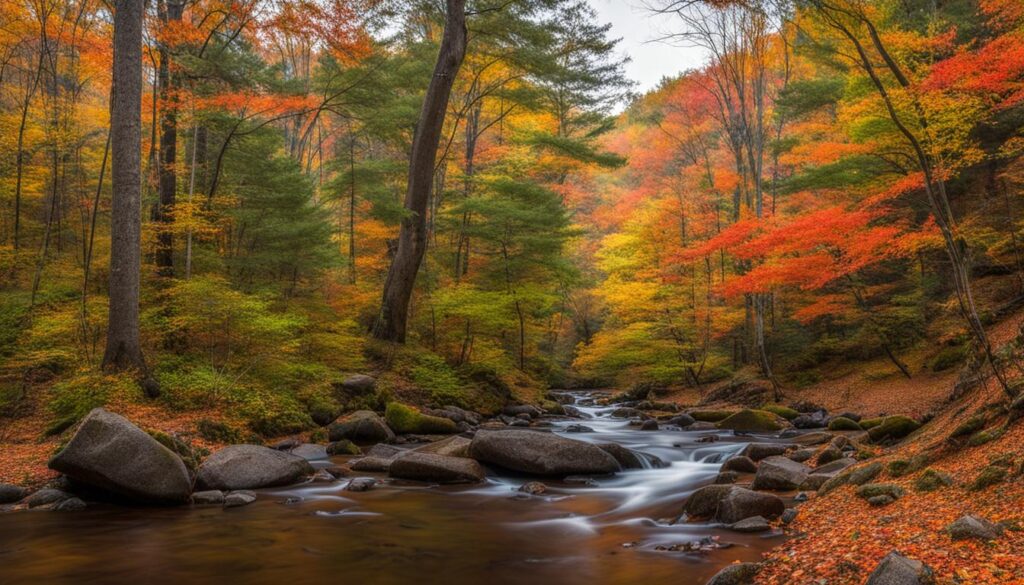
x=870 y=423
x=968 y=427
x=982 y=437
x=343 y=447
x=893 y=428
x=711 y=415
x=932 y=479
x=753 y=421
x=989 y=476
x=843 y=424
x=871 y=490
x=783 y=411
x=406 y=420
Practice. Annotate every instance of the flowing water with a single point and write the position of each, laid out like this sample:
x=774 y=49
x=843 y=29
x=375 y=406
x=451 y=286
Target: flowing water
x=617 y=529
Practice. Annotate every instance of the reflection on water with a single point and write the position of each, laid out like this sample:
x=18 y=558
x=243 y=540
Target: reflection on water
x=609 y=532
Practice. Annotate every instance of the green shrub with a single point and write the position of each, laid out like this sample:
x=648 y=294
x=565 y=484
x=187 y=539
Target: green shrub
x=433 y=374
x=73 y=398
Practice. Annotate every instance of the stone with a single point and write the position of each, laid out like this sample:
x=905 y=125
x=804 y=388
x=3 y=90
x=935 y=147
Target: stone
x=701 y=426
x=802 y=455
x=362 y=427
x=576 y=428
x=892 y=429
x=10 y=494
x=405 y=419
x=752 y=421
x=976 y=527
x=372 y=464
x=704 y=502
x=208 y=498
x=726 y=477
x=70 y=505
x=630 y=459
x=343 y=447
x=812 y=439
x=740 y=463
x=46 y=497
x=835 y=466
x=540 y=453
x=871 y=490
x=682 y=420
x=239 y=498
x=752 y=524
x=361 y=484
x=789 y=515
x=451 y=447
x=780 y=473
x=740 y=503
x=359 y=384
x=881 y=500
x=758 y=451
x=241 y=467
x=435 y=468
x=896 y=569
x=828 y=455
x=931 y=480
x=111 y=454
x=310 y=452
x=736 y=574
x=649 y=425
x=534 y=488
x=841 y=423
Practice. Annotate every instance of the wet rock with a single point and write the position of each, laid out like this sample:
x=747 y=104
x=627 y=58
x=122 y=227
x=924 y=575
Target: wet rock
x=815 y=481
x=534 y=488
x=736 y=574
x=241 y=467
x=780 y=473
x=11 y=493
x=582 y=480
x=841 y=423
x=752 y=524
x=575 y=412
x=742 y=503
x=322 y=476
x=708 y=439
x=789 y=515
x=681 y=420
x=337 y=471
x=372 y=464
x=726 y=477
x=70 y=505
x=527 y=409
x=343 y=447
x=896 y=569
x=361 y=484
x=310 y=452
x=701 y=426
x=362 y=427
x=801 y=497
x=578 y=429
x=649 y=425
x=759 y=451
x=802 y=455
x=740 y=463
x=519 y=423
x=626 y=412
x=111 y=454
x=815 y=420
x=524 y=416
x=451 y=447
x=704 y=502
x=239 y=498
x=435 y=468
x=976 y=527
x=752 y=421
x=540 y=453
x=812 y=439
x=47 y=497
x=383 y=450
x=208 y=498
x=286 y=444
x=630 y=459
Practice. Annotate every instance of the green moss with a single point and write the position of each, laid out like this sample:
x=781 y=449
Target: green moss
x=969 y=426
x=758 y=421
x=343 y=447
x=982 y=437
x=872 y=490
x=843 y=424
x=783 y=411
x=870 y=423
x=989 y=476
x=218 y=432
x=893 y=428
x=932 y=479
x=948 y=357
x=711 y=415
x=404 y=420
x=318 y=436
x=901 y=467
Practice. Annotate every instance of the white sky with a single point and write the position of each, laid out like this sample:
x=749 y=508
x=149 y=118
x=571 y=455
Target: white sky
x=638 y=28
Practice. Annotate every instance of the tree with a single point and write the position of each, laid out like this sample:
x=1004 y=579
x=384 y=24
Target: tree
x=412 y=239
x=124 y=349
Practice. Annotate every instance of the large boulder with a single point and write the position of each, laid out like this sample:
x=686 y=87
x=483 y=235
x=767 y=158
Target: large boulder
x=780 y=473
x=740 y=503
x=752 y=421
x=451 y=447
x=113 y=455
x=736 y=574
x=11 y=493
x=704 y=502
x=893 y=428
x=758 y=451
x=896 y=569
x=740 y=463
x=540 y=453
x=436 y=468
x=362 y=427
x=407 y=420
x=974 y=527
x=241 y=467
x=359 y=384
x=630 y=459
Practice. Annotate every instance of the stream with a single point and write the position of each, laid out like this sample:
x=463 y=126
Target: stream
x=616 y=529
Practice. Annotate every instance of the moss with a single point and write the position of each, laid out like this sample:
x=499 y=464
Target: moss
x=751 y=421
x=901 y=467
x=783 y=411
x=191 y=456
x=318 y=436
x=843 y=424
x=871 y=490
x=711 y=415
x=61 y=425
x=404 y=419
x=870 y=423
x=932 y=479
x=948 y=357
x=343 y=447
x=893 y=428
x=218 y=432
x=989 y=476
x=969 y=427
x=275 y=424
x=982 y=437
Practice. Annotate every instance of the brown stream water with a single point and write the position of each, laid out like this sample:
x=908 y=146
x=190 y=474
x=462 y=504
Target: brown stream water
x=404 y=533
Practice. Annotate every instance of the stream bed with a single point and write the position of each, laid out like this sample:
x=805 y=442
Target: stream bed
x=616 y=529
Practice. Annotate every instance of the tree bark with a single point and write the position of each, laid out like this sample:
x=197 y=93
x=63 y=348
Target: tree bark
x=412 y=240
x=124 y=350
x=170 y=15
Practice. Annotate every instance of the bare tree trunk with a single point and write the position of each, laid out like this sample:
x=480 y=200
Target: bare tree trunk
x=124 y=350
x=170 y=15
x=412 y=240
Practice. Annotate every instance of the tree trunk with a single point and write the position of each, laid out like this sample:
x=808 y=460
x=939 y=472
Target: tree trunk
x=412 y=240
x=124 y=350
x=170 y=16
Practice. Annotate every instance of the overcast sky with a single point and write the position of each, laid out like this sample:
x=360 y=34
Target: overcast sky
x=651 y=61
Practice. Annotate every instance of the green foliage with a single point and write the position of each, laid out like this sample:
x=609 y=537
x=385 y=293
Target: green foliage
x=218 y=432
x=73 y=398
x=406 y=420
